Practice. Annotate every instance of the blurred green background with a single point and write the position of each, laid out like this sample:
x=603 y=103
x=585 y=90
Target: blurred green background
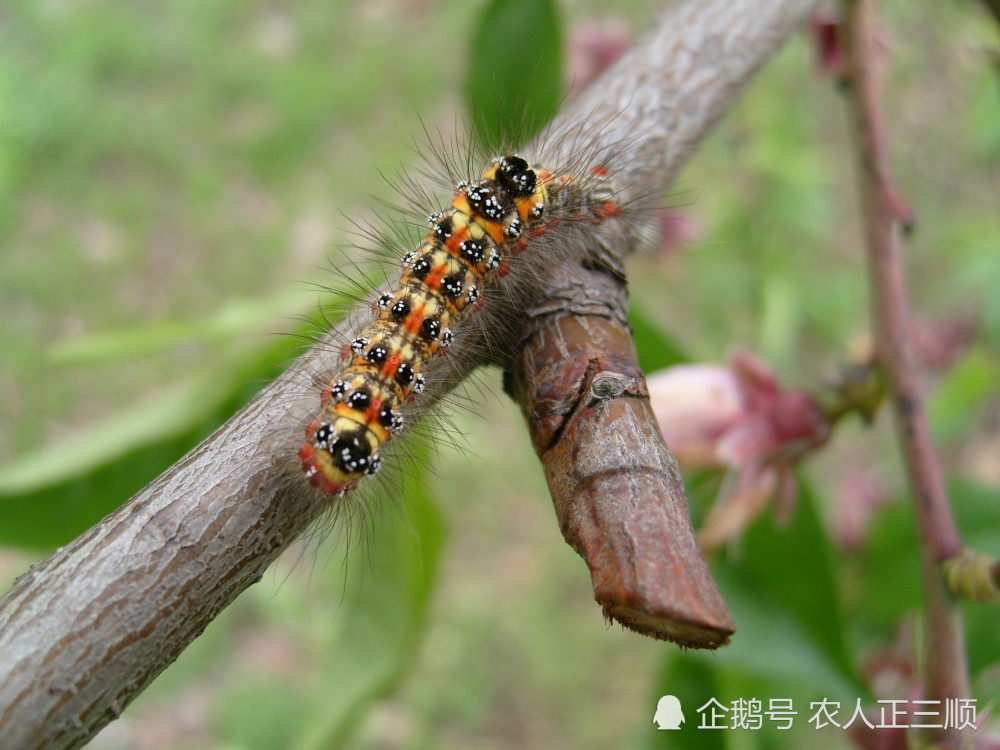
x=176 y=177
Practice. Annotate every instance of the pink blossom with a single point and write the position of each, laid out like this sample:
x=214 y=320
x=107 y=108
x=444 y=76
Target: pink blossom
x=738 y=418
x=695 y=405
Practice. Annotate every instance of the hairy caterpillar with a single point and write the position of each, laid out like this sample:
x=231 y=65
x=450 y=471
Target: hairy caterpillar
x=441 y=283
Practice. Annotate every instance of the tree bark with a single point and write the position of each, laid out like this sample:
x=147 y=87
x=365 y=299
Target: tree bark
x=617 y=491
x=87 y=629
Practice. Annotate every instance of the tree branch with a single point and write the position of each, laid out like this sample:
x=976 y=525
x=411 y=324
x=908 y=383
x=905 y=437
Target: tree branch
x=84 y=631
x=621 y=504
x=946 y=675
x=617 y=490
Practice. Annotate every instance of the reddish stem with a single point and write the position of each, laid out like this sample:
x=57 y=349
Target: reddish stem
x=945 y=672
x=891 y=311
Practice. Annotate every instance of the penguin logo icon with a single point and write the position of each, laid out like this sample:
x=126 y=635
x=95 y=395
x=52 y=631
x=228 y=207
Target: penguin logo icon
x=668 y=713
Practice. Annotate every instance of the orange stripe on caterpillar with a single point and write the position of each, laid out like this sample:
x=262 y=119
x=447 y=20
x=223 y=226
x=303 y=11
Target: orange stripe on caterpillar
x=462 y=252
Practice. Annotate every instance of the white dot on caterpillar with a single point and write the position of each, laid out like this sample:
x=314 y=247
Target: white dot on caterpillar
x=324 y=435
x=493 y=208
x=384 y=300
x=338 y=390
x=349 y=461
x=482 y=199
x=442 y=230
x=374 y=464
x=418 y=384
x=409 y=257
x=377 y=355
x=421 y=267
x=473 y=294
x=446 y=337
x=514 y=228
x=434 y=218
x=358 y=344
x=472 y=250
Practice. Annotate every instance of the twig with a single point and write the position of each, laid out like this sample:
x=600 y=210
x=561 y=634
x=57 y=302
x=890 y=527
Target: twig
x=617 y=491
x=946 y=674
x=89 y=628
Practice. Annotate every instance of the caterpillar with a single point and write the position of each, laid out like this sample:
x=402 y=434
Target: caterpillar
x=465 y=250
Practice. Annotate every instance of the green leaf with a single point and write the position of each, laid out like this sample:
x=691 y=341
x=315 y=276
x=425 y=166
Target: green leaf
x=889 y=573
x=234 y=320
x=655 y=347
x=54 y=514
x=977 y=513
x=693 y=682
x=889 y=570
x=793 y=563
x=382 y=620
x=889 y=576
x=51 y=495
x=773 y=643
x=771 y=656
x=514 y=80
x=158 y=418
x=137 y=426
x=961 y=393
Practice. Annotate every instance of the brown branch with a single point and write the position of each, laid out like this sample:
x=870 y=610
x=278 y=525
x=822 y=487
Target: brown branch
x=620 y=502
x=88 y=628
x=617 y=490
x=944 y=656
